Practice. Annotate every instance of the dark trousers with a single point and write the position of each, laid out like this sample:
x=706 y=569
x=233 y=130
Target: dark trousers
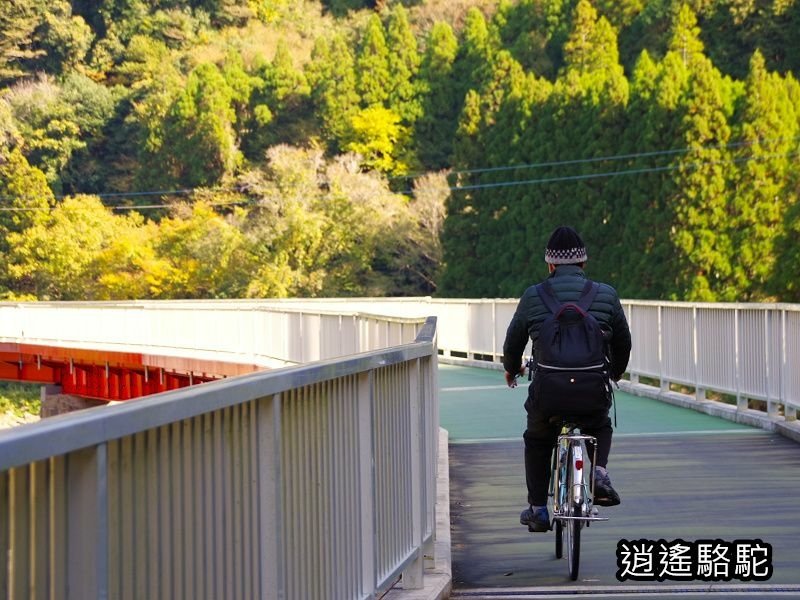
x=541 y=435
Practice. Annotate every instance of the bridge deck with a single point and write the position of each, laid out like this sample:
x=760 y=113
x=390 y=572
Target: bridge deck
x=681 y=475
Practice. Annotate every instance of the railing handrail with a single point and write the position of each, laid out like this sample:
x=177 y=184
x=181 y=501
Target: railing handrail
x=65 y=433
x=222 y=485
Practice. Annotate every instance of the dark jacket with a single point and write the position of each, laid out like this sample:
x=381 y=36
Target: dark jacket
x=568 y=282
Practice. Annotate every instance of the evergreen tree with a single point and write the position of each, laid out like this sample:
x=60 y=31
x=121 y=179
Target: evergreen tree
x=591 y=96
x=474 y=223
x=767 y=141
x=437 y=126
x=372 y=65
x=200 y=146
x=702 y=227
x=403 y=61
x=646 y=256
x=473 y=61
x=785 y=281
x=278 y=101
x=332 y=76
x=685 y=36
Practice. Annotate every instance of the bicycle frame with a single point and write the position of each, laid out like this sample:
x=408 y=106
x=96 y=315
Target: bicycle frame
x=570 y=493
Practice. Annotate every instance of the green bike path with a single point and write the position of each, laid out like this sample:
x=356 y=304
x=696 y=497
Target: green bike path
x=682 y=475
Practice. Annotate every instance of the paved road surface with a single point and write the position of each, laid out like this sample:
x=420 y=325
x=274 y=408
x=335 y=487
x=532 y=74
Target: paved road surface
x=682 y=475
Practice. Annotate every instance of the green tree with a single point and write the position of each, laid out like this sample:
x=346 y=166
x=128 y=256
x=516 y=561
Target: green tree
x=48 y=124
x=24 y=192
x=154 y=82
x=199 y=139
x=645 y=260
x=64 y=39
x=403 y=62
x=472 y=65
x=95 y=107
x=785 y=283
x=589 y=103
x=701 y=231
x=278 y=101
x=19 y=21
x=477 y=211
x=436 y=127
x=127 y=267
x=332 y=76
x=52 y=258
x=685 y=36
x=374 y=79
x=767 y=134
x=205 y=255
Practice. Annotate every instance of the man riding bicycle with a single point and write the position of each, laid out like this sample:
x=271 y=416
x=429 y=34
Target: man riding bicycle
x=566 y=257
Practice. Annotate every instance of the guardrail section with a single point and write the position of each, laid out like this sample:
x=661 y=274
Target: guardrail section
x=241 y=332
x=315 y=481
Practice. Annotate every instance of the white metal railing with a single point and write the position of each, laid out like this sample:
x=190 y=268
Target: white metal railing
x=316 y=481
x=257 y=333
x=750 y=351
x=226 y=489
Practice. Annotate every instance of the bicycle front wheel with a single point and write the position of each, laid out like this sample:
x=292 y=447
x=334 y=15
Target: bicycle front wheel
x=575 y=504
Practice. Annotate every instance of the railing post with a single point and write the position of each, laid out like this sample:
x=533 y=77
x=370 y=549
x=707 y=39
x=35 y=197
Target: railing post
x=87 y=512
x=270 y=508
x=366 y=463
x=741 y=402
x=790 y=412
x=662 y=379
x=772 y=406
x=414 y=573
x=700 y=393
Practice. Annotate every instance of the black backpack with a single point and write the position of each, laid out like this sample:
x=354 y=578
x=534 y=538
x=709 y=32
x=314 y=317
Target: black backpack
x=572 y=369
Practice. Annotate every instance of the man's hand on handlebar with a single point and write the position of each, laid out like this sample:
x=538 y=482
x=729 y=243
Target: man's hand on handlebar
x=511 y=380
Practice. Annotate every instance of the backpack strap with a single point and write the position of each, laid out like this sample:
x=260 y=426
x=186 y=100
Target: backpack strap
x=548 y=296
x=588 y=294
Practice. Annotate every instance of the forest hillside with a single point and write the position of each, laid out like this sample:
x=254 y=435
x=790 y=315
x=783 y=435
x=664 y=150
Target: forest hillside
x=272 y=148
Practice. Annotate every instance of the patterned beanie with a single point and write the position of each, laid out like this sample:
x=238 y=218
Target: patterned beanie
x=565 y=247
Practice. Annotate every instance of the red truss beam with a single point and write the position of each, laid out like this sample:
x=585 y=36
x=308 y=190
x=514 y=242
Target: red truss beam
x=106 y=375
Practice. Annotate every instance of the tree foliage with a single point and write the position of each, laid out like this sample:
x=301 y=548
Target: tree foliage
x=297 y=148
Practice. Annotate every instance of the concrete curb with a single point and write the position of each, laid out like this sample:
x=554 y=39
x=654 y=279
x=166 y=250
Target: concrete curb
x=438 y=579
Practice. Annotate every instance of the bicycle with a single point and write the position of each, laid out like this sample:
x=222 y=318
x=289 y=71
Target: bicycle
x=570 y=493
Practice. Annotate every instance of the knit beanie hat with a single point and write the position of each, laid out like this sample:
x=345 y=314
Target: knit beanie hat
x=565 y=247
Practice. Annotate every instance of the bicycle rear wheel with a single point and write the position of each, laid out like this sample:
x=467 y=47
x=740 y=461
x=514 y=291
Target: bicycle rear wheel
x=575 y=509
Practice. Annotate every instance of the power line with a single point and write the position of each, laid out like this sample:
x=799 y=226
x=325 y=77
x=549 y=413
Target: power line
x=609 y=158
x=615 y=173
x=509 y=183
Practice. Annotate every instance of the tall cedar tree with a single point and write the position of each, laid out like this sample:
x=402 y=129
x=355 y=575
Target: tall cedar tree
x=440 y=102
x=374 y=80
x=761 y=194
x=332 y=77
